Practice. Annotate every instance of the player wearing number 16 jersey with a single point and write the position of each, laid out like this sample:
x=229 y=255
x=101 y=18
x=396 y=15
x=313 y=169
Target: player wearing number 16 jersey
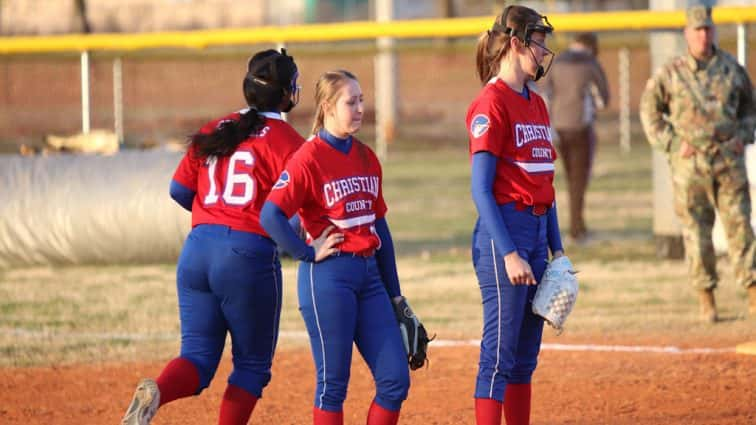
x=229 y=275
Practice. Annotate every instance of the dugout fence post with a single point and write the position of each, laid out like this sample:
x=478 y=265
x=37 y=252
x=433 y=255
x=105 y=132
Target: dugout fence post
x=279 y=46
x=742 y=30
x=386 y=87
x=624 y=98
x=85 y=92
x=118 y=99
x=666 y=226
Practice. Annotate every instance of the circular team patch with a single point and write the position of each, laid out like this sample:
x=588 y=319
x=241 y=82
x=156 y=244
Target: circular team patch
x=283 y=181
x=479 y=126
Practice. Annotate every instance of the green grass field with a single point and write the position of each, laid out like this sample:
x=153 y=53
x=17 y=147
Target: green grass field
x=117 y=313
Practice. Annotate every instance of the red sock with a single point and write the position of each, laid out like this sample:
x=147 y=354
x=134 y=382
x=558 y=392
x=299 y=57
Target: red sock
x=487 y=411
x=236 y=407
x=324 y=417
x=178 y=379
x=517 y=404
x=377 y=415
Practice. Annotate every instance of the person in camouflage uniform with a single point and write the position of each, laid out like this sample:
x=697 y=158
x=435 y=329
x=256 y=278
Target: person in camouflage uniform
x=699 y=110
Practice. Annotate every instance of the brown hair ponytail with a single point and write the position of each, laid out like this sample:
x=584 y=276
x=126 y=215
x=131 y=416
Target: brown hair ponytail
x=492 y=46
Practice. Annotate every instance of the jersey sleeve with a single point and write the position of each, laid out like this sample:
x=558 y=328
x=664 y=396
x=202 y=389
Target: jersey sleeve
x=295 y=142
x=380 y=205
x=293 y=187
x=187 y=170
x=486 y=128
x=284 y=142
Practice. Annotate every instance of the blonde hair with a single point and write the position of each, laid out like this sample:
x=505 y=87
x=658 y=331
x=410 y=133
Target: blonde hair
x=326 y=89
x=494 y=44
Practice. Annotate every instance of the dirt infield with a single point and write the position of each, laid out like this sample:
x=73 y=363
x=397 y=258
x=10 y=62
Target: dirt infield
x=570 y=387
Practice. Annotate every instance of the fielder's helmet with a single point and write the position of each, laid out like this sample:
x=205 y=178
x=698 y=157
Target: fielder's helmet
x=271 y=78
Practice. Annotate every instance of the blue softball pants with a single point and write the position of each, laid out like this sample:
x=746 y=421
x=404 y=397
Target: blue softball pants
x=511 y=332
x=229 y=281
x=343 y=301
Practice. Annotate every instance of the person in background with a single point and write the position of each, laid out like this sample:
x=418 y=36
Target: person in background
x=699 y=110
x=575 y=89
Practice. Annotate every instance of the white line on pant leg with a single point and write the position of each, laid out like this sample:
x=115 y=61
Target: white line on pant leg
x=320 y=335
x=498 y=316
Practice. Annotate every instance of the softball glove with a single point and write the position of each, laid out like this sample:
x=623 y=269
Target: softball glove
x=413 y=332
x=556 y=293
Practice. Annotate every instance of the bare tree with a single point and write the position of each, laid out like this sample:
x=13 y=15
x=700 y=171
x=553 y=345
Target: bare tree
x=81 y=15
x=447 y=8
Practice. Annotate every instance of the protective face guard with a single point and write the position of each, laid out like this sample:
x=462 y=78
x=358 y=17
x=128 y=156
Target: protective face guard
x=549 y=54
x=543 y=27
x=294 y=91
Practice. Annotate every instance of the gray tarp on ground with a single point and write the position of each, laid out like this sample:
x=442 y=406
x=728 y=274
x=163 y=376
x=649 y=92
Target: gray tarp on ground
x=75 y=209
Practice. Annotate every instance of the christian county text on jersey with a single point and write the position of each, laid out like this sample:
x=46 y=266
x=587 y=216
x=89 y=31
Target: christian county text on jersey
x=328 y=187
x=517 y=131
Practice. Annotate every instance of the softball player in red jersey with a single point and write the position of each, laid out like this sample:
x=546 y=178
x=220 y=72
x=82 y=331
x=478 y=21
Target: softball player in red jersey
x=512 y=186
x=345 y=295
x=228 y=275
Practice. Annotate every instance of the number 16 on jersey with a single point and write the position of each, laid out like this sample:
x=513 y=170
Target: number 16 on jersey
x=238 y=187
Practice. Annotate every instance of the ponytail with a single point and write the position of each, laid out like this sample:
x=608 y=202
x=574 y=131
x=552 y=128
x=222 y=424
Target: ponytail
x=225 y=138
x=488 y=59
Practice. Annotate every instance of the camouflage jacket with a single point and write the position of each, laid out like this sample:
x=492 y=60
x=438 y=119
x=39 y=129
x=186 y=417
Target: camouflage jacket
x=703 y=105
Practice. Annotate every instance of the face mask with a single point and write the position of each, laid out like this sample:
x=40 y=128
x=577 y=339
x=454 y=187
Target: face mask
x=540 y=71
x=544 y=26
x=294 y=90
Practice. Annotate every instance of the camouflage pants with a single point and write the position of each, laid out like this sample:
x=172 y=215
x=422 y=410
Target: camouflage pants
x=701 y=184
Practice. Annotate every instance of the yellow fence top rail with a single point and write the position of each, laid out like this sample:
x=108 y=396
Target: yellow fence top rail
x=361 y=30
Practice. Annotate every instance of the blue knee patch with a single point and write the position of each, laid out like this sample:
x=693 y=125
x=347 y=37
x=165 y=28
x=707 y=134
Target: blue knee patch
x=522 y=375
x=252 y=382
x=332 y=399
x=391 y=393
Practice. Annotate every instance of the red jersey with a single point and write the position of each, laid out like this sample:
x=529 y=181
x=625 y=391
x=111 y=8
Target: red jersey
x=517 y=131
x=328 y=187
x=231 y=190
